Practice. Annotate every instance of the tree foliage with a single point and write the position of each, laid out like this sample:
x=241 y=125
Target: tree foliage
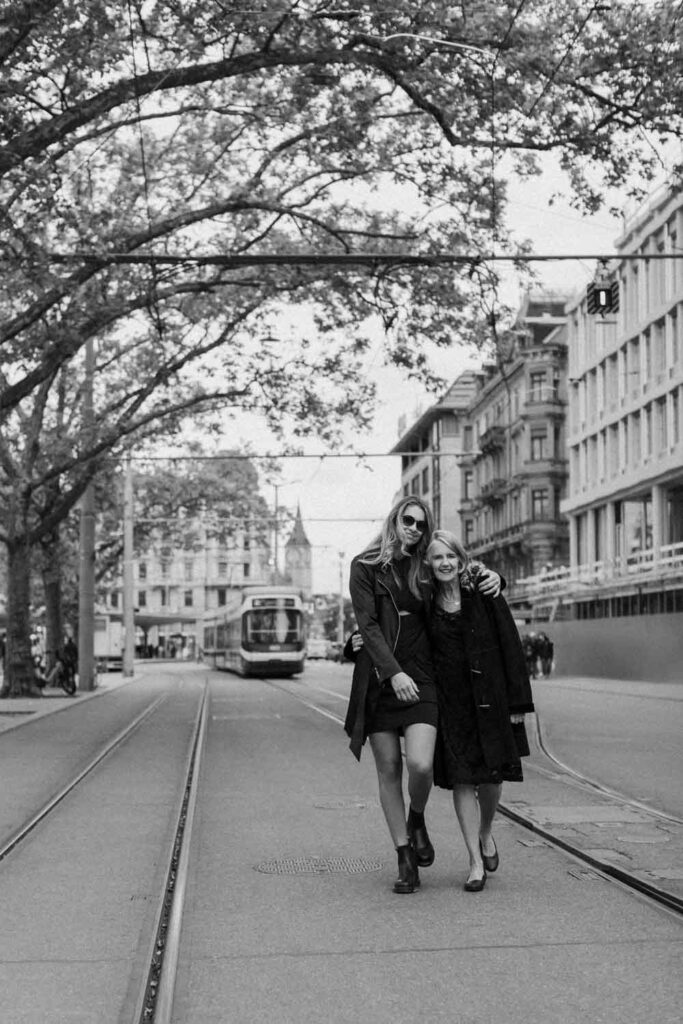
x=138 y=138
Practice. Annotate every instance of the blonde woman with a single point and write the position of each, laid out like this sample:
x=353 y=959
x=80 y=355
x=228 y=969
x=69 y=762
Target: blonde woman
x=483 y=695
x=393 y=693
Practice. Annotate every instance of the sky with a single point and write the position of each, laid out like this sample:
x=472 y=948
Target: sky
x=344 y=500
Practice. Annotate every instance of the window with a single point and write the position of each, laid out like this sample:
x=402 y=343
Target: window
x=163 y=596
x=425 y=480
x=469 y=532
x=661 y=425
x=450 y=426
x=467 y=439
x=246 y=570
x=165 y=567
x=675 y=417
x=189 y=568
x=221 y=594
x=189 y=599
x=222 y=567
x=647 y=357
x=536 y=384
x=647 y=420
x=538 y=447
x=114 y=599
x=539 y=504
x=142 y=570
x=635 y=438
x=246 y=540
x=142 y=598
x=467 y=484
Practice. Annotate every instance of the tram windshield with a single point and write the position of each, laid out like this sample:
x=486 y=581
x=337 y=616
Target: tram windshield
x=272 y=626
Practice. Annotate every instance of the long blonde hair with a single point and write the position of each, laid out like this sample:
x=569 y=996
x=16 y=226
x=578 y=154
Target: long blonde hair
x=453 y=544
x=387 y=545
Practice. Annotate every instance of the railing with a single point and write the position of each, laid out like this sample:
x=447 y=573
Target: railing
x=493 y=490
x=640 y=566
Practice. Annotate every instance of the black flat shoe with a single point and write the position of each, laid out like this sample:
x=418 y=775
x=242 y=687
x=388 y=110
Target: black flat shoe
x=476 y=884
x=490 y=862
x=424 y=850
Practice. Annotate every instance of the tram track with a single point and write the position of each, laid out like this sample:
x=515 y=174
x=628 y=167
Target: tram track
x=28 y=826
x=155 y=1001
x=621 y=876
x=155 y=997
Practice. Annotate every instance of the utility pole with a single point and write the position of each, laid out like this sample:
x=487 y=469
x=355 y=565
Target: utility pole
x=128 y=583
x=276 y=554
x=340 y=627
x=86 y=574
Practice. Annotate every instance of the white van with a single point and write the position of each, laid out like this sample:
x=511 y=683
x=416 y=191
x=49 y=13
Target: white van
x=316 y=648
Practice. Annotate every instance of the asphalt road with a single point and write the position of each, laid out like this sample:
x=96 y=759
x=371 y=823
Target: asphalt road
x=625 y=735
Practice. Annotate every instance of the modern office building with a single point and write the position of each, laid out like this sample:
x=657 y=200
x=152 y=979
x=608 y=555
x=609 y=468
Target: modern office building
x=624 y=505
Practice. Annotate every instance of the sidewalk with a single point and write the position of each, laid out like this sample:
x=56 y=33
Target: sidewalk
x=14 y=711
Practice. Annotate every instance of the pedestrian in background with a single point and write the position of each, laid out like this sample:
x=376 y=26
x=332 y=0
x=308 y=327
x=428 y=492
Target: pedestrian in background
x=483 y=693
x=393 y=693
x=546 y=650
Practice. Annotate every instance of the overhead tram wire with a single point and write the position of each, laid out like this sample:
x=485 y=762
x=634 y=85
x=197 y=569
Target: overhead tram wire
x=225 y=457
x=340 y=259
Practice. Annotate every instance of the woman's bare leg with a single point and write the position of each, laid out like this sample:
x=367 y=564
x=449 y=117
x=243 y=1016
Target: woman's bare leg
x=489 y=798
x=386 y=748
x=468 y=814
x=420 y=742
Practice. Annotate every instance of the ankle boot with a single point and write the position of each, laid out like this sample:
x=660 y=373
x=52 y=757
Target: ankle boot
x=408 y=877
x=418 y=835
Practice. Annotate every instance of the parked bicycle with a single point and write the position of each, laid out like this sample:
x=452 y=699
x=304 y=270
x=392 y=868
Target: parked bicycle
x=62 y=674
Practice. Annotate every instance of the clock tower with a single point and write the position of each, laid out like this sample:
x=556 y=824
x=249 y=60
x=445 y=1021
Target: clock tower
x=298 y=552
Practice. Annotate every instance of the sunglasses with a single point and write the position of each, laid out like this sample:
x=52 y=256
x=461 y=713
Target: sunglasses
x=419 y=524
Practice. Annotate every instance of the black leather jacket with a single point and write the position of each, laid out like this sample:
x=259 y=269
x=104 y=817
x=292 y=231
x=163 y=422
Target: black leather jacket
x=373 y=595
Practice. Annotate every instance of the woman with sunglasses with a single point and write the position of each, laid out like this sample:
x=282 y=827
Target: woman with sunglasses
x=393 y=693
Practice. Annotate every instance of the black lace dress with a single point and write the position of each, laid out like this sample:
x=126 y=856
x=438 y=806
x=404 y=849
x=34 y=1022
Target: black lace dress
x=462 y=749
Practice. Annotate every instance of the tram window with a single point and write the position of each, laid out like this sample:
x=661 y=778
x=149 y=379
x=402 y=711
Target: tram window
x=272 y=626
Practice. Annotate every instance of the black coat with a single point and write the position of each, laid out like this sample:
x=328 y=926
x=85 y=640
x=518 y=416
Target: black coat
x=500 y=681
x=493 y=646
x=373 y=594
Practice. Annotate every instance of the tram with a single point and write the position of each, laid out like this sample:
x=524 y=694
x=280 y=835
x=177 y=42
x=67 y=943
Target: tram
x=259 y=633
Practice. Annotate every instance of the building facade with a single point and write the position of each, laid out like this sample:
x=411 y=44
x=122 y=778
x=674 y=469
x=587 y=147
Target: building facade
x=624 y=504
x=176 y=586
x=515 y=467
x=431 y=449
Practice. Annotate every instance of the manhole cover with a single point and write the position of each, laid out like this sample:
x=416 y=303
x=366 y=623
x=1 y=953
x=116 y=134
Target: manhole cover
x=317 y=865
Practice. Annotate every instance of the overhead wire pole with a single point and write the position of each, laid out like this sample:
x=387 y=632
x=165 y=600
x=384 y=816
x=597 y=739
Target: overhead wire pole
x=128 y=582
x=86 y=574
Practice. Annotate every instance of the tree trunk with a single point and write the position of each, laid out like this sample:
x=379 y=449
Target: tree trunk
x=19 y=668
x=52 y=586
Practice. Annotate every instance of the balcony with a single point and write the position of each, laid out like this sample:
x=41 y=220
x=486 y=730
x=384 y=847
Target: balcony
x=492 y=440
x=493 y=491
x=604 y=578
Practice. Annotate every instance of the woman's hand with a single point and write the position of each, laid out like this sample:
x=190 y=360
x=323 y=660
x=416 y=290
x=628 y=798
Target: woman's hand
x=517 y=719
x=404 y=687
x=488 y=583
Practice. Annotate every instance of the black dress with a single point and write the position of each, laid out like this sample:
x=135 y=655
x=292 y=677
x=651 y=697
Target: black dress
x=413 y=653
x=463 y=755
